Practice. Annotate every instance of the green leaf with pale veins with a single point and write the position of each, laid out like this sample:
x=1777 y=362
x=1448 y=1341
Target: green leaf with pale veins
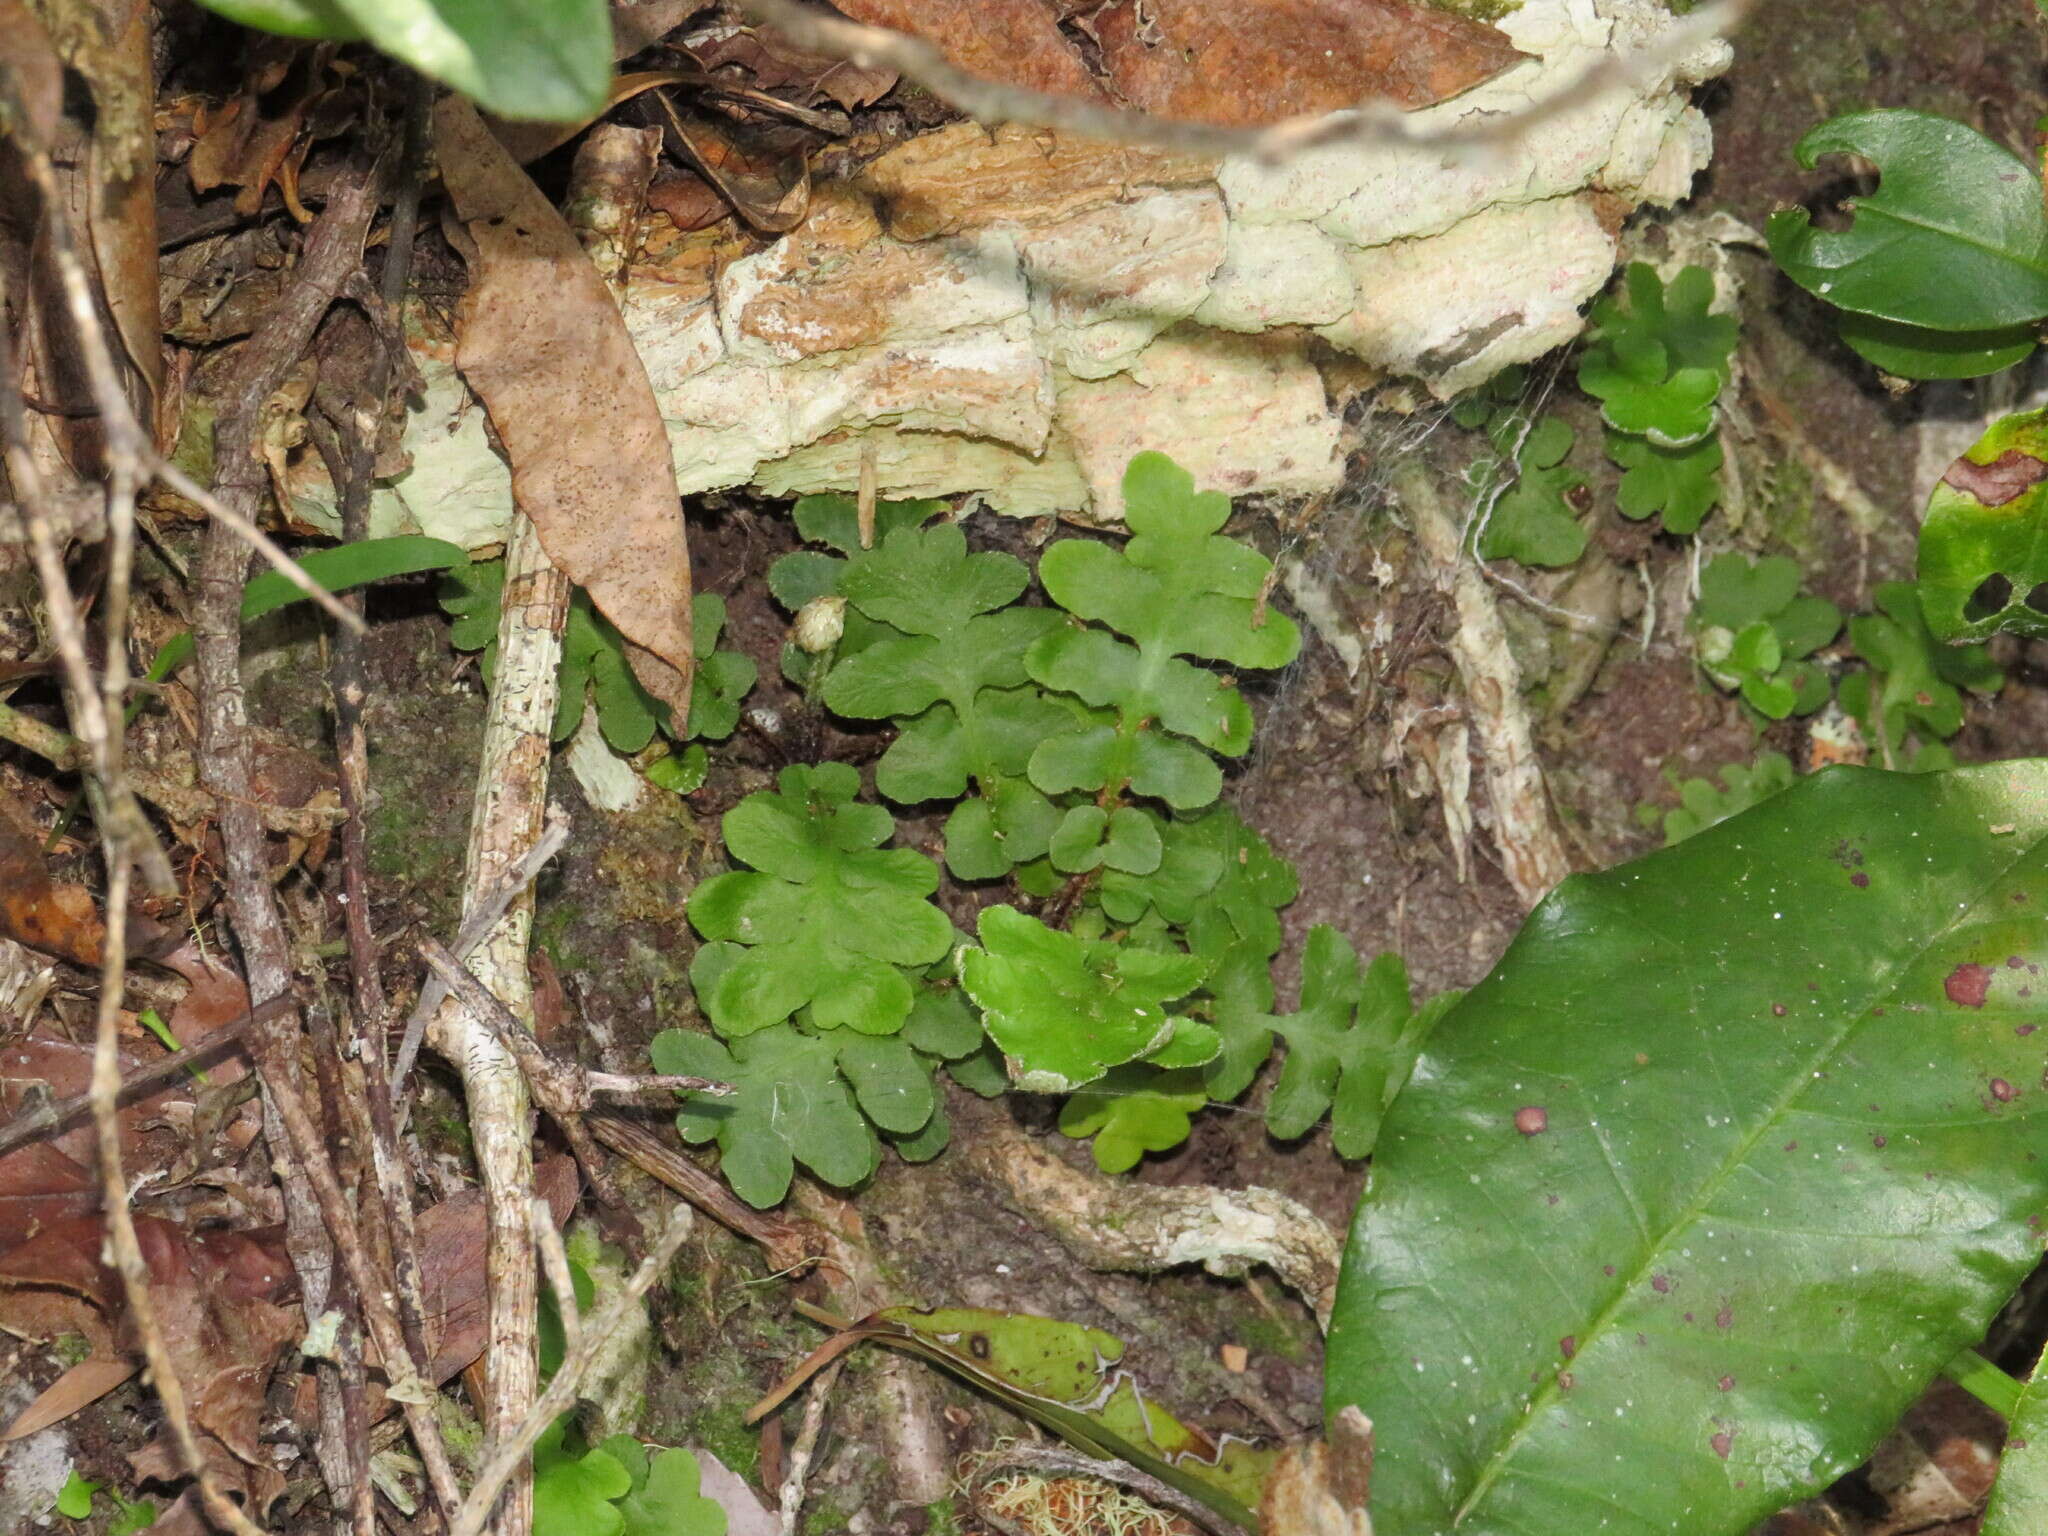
x=1772 y=1086
x=1065 y=1009
x=827 y=918
x=791 y=1106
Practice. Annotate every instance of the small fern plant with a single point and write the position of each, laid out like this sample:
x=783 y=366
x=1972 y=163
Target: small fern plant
x=1078 y=748
x=594 y=669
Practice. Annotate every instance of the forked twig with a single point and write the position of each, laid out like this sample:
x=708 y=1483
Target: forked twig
x=507 y=1455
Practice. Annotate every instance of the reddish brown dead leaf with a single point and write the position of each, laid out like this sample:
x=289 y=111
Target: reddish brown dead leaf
x=35 y=910
x=777 y=65
x=216 y=994
x=542 y=342
x=40 y=1185
x=222 y=1301
x=1015 y=41
x=258 y=137
x=1246 y=62
x=688 y=199
x=1237 y=63
x=767 y=180
x=452 y=1236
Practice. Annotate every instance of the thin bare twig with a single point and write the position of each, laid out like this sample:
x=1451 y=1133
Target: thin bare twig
x=407 y=1387
x=554 y=1260
x=125 y=836
x=507 y=1455
x=544 y=1076
x=58 y=1113
x=783 y=1240
x=806 y=1446
x=186 y=804
x=333 y=249
x=348 y=447
x=476 y=926
x=1381 y=123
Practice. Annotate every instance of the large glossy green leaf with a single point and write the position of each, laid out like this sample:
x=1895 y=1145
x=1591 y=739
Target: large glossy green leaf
x=290 y=18
x=1736 y=1146
x=549 y=59
x=1984 y=545
x=1952 y=240
x=2019 y=1499
x=1913 y=352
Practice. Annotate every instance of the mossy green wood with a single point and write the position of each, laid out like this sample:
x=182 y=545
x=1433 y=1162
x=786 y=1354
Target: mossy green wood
x=1733 y=1149
x=1988 y=516
x=2019 y=1499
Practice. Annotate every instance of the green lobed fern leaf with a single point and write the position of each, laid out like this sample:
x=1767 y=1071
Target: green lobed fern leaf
x=1176 y=590
x=825 y=919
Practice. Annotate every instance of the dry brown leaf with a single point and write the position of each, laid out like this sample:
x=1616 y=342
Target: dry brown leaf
x=40 y=1185
x=688 y=199
x=767 y=180
x=777 y=65
x=259 y=136
x=1241 y=63
x=35 y=910
x=224 y=1304
x=84 y=1384
x=1016 y=41
x=542 y=343
x=638 y=24
x=451 y=1237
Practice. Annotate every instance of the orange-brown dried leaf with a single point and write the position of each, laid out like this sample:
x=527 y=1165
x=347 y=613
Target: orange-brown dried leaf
x=767 y=180
x=688 y=199
x=778 y=65
x=542 y=342
x=1243 y=63
x=1016 y=41
x=35 y=910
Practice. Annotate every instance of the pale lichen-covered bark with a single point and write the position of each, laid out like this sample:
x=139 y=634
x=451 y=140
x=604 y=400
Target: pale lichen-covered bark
x=1014 y=313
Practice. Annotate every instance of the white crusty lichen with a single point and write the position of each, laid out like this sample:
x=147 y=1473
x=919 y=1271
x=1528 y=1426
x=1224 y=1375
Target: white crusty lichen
x=1013 y=313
